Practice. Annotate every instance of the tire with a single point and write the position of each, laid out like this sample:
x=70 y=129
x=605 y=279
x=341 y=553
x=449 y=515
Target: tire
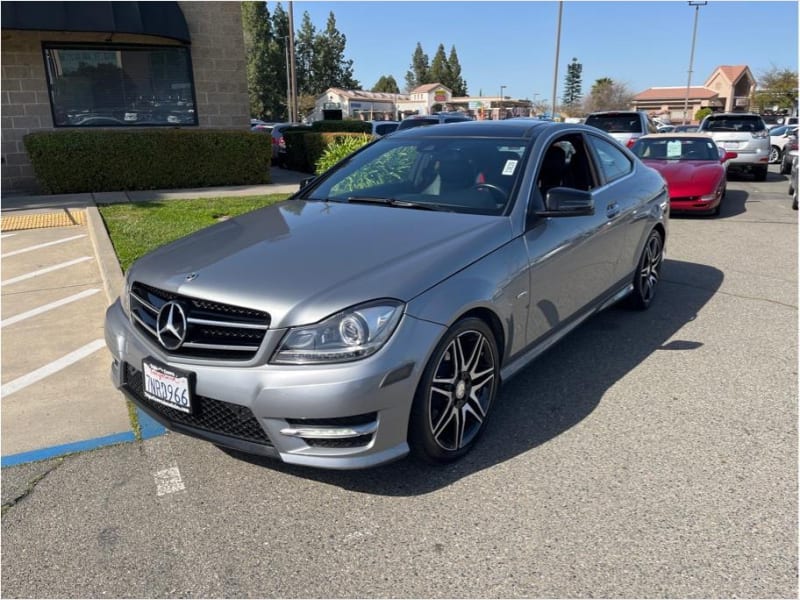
x=716 y=212
x=760 y=172
x=648 y=272
x=794 y=200
x=455 y=394
x=786 y=167
x=774 y=155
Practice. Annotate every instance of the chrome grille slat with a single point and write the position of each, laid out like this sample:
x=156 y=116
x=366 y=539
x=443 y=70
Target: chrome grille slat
x=213 y=329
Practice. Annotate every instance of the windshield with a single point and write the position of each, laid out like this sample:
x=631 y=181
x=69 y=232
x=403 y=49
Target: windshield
x=460 y=174
x=669 y=148
x=616 y=123
x=733 y=123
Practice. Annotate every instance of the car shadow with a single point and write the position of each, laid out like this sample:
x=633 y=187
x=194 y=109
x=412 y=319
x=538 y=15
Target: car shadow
x=552 y=394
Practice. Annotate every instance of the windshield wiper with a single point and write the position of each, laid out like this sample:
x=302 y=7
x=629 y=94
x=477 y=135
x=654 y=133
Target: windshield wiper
x=395 y=202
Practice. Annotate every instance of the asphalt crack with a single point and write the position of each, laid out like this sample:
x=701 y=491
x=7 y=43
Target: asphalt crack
x=30 y=487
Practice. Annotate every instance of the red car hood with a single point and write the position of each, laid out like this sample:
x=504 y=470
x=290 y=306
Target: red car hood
x=689 y=177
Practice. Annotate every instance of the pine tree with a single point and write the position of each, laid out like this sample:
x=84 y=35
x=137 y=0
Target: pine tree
x=572 y=84
x=440 y=69
x=304 y=43
x=419 y=73
x=329 y=67
x=387 y=85
x=278 y=108
x=457 y=85
x=257 y=37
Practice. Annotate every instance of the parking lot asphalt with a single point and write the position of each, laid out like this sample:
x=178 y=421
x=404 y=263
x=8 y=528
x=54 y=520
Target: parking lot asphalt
x=59 y=273
x=648 y=454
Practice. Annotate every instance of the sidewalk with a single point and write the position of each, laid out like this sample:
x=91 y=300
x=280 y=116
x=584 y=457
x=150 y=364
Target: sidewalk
x=52 y=337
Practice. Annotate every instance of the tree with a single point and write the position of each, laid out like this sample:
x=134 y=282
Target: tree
x=386 y=84
x=440 y=69
x=304 y=53
x=572 y=85
x=278 y=106
x=607 y=94
x=260 y=73
x=702 y=114
x=777 y=88
x=329 y=66
x=419 y=73
x=457 y=85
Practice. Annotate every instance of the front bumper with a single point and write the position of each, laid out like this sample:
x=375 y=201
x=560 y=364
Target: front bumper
x=341 y=416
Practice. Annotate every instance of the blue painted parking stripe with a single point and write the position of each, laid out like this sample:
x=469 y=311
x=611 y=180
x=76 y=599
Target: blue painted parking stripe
x=56 y=451
x=148 y=426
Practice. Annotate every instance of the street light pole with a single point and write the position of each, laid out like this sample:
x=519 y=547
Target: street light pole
x=500 y=104
x=697 y=5
x=288 y=80
x=558 y=49
x=294 y=112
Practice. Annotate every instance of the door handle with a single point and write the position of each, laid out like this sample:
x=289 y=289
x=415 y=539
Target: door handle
x=612 y=210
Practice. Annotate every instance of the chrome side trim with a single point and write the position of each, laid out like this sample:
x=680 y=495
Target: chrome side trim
x=331 y=432
x=617 y=297
x=219 y=347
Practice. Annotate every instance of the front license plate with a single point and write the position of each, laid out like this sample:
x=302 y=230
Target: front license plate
x=167 y=386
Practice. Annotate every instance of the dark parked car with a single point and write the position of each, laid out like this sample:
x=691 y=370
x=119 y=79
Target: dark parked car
x=279 y=154
x=437 y=119
x=625 y=126
x=380 y=308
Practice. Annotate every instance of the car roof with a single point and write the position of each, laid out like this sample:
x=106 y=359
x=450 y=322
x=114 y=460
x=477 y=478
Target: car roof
x=523 y=127
x=676 y=134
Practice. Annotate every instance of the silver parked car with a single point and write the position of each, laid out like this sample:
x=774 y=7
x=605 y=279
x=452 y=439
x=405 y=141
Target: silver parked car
x=379 y=309
x=625 y=126
x=742 y=133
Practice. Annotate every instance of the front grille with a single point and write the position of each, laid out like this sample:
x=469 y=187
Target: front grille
x=213 y=329
x=211 y=415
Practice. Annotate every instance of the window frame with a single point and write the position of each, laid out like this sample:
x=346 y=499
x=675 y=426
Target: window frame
x=115 y=47
x=601 y=172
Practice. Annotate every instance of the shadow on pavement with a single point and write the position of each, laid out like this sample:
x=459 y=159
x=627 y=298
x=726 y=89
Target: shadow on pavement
x=552 y=394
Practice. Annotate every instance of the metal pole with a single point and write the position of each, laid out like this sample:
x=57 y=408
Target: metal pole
x=500 y=104
x=294 y=112
x=288 y=80
x=558 y=49
x=697 y=6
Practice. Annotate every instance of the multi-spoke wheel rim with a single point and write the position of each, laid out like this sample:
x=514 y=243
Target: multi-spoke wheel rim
x=461 y=390
x=774 y=154
x=651 y=265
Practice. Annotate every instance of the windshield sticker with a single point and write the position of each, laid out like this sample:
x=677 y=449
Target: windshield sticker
x=511 y=166
x=674 y=149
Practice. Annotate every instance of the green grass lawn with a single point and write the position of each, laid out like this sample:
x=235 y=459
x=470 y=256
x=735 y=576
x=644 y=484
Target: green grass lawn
x=137 y=228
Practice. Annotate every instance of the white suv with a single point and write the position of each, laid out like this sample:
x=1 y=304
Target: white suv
x=743 y=133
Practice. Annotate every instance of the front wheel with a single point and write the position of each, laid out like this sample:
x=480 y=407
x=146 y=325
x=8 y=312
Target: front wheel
x=455 y=394
x=648 y=273
x=774 y=155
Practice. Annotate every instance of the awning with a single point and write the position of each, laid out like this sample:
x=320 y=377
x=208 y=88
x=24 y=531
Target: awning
x=162 y=19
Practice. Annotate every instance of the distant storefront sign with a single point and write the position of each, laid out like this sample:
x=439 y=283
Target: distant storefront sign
x=475 y=104
x=440 y=95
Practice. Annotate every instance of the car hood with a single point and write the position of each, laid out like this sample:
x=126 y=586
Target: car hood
x=303 y=261
x=689 y=177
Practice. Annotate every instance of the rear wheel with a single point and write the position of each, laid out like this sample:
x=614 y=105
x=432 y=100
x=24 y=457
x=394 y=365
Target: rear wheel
x=786 y=166
x=774 y=154
x=760 y=172
x=648 y=273
x=456 y=391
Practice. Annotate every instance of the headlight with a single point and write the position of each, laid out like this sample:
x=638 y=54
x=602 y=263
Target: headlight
x=352 y=334
x=125 y=294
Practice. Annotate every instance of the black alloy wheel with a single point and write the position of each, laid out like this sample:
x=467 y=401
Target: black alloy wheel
x=648 y=273
x=455 y=394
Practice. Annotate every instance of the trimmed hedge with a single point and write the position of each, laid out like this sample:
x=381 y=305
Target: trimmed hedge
x=109 y=160
x=304 y=148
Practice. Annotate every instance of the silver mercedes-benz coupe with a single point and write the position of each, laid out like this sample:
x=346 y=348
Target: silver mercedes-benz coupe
x=378 y=310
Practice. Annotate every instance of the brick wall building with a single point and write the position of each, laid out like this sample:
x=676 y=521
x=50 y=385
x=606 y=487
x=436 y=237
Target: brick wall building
x=187 y=58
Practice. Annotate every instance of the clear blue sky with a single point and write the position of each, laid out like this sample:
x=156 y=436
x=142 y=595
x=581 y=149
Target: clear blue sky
x=640 y=43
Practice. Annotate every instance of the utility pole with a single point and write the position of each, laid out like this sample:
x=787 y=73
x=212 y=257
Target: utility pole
x=500 y=104
x=697 y=5
x=294 y=117
x=288 y=80
x=558 y=49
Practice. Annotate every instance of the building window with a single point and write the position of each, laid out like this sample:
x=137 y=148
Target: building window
x=113 y=85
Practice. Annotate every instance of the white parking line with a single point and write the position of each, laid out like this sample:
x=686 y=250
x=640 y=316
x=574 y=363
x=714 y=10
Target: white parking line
x=54 y=367
x=5 y=235
x=40 y=246
x=63 y=265
x=46 y=307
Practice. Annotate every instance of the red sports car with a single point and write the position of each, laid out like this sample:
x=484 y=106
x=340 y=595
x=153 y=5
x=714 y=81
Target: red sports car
x=693 y=166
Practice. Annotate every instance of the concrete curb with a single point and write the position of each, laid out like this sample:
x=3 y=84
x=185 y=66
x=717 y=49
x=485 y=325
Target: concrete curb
x=110 y=271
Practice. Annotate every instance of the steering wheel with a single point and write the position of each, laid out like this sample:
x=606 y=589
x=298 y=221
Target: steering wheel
x=500 y=194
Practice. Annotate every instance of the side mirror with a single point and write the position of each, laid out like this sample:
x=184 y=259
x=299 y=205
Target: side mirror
x=728 y=156
x=567 y=202
x=305 y=182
